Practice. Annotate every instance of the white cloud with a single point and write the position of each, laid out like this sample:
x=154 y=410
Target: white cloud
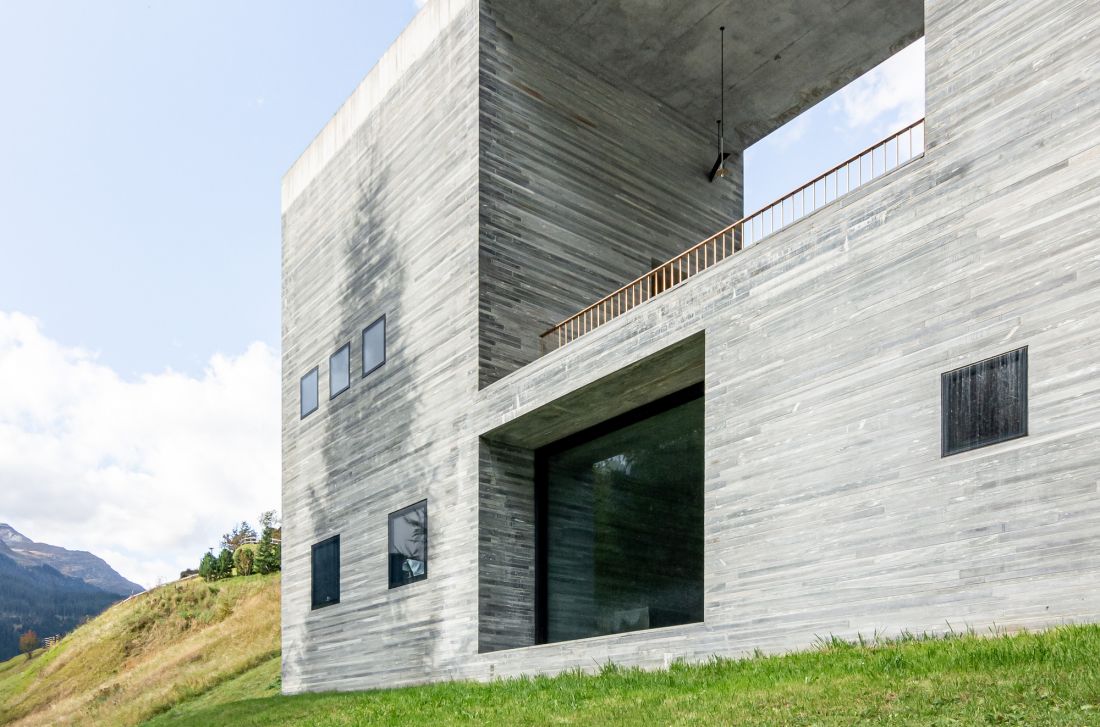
x=421 y=3
x=147 y=473
x=889 y=95
x=791 y=133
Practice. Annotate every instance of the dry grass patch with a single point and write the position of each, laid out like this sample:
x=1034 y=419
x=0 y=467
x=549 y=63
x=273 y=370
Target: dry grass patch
x=145 y=655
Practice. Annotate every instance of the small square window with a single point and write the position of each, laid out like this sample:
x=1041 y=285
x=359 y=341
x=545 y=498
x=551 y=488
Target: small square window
x=984 y=403
x=409 y=545
x=326 y=572
x=374 y=346
x=339 y=371
x=308 y=392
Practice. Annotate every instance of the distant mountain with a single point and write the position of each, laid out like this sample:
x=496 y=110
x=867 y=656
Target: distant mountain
x=42 y=599
x=73 y=563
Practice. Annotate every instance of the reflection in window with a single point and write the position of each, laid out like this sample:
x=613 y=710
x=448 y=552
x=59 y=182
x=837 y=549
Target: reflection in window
x=374 y=345
x=984 y=403
x=622 y=526
x=339 y=371
x=409 y=545
x=308 y=393
x=325 y=571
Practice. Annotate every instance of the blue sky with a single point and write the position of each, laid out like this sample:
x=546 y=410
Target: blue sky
x=140 y=245
x=145 y=143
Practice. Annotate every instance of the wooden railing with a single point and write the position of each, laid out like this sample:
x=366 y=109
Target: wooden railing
x=894 y=151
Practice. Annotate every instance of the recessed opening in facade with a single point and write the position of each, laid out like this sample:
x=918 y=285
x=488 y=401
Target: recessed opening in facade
x=626 y=103
x=339 y=371
x=325 y=573
x=408 y=545
x=593 y=502
x=984 y=403
x=620 y=526
x=882 y=101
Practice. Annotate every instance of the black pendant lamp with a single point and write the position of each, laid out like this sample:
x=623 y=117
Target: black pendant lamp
x=720 y=170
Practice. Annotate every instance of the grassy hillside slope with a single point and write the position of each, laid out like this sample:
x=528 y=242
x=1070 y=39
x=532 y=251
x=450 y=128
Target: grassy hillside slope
x=1025 y=679
x=192 y=655
x=144 y=655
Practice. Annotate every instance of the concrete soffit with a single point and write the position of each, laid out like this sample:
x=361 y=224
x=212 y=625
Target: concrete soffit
x=669 y=370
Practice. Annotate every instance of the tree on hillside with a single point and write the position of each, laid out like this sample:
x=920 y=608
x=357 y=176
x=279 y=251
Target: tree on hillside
x=225 y=563
x=28 y=642
x=238 y=536
x=208 y=567
x=270 y=519
x=269 y=554
x=244 y=560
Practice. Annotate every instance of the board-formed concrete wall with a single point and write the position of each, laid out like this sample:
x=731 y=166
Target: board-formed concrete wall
x=584 y=183
x=388 y=226
x=828 y=509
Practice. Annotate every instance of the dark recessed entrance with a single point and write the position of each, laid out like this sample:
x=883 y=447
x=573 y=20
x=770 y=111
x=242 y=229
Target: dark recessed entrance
x=620 y=523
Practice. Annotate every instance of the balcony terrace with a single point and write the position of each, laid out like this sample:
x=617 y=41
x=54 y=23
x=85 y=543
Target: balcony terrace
x=598 y=130
x=883 y=157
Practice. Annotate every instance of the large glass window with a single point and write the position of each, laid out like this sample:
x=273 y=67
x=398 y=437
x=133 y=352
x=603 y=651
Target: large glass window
x=325 y=568
x=409 y=545
x=984 y=403
x=621 y=524
x=374 y=345
x=339 y=371
x=308 y=393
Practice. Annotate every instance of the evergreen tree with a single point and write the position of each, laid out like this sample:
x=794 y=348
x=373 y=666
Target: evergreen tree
x=225 y=563
x=270 y=519
x=269 y=553
x=208 y=567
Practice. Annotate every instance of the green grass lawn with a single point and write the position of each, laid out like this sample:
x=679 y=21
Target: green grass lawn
x=1052 y=678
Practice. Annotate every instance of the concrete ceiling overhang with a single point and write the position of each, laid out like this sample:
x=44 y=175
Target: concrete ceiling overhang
x=782 y=56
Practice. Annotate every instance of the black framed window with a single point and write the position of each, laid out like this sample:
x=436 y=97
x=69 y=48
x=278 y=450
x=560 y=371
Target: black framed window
x=374 y=346
x=326 y=572
x=984 y=403
x=619 y=523
x=409 y=544
x=308 y=393
x=339 y=371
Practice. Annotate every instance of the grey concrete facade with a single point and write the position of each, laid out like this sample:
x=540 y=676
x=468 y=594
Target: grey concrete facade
x=828 y=508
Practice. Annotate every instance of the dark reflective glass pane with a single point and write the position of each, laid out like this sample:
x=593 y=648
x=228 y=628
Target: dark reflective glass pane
x=623 y=529
x=339 y=371
x=308 y=391
x=374 y=345
x=326 y=572
x=408 y=552
x=985 y=403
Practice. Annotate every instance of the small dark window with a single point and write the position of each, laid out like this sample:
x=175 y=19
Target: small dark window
x=374 y=346
x=308 y=390
x=326 y=572
x=985 y=403
x=339 y=371
x=409 y=545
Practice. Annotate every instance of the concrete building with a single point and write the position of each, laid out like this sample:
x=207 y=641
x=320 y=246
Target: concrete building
x=872 y=406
